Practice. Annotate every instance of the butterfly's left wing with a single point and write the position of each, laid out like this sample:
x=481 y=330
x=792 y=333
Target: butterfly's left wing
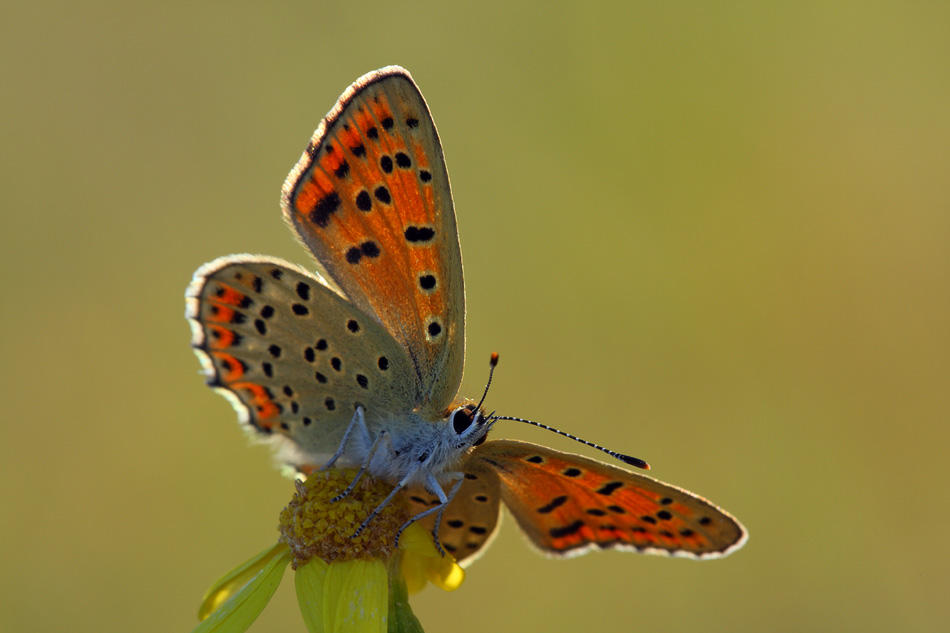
x=568 y=504
x=370 y=198
x=293 y=356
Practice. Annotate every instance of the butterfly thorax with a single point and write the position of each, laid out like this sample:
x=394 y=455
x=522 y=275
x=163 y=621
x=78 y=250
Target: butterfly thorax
x=416 y=447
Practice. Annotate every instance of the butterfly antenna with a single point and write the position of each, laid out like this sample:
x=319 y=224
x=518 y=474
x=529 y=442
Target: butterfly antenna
x=626 y=459
x=491 y=372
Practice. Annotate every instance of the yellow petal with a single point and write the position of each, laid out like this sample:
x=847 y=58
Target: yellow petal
x=310 y=580
x=421 y=562
x=355 y=597
x=417 y=539
x=414 y=571
x=445 y=574
x=230 y=583
x=237 y=613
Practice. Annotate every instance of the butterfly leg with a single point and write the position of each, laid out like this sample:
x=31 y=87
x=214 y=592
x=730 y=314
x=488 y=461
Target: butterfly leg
x=364 y=466
x=438 y=517
x=379 y=508
x=358 y=419
x=436 y=489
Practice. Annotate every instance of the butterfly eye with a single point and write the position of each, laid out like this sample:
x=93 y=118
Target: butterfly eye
x=461 y=420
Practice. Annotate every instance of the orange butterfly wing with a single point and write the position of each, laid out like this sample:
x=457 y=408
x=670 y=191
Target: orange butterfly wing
x=568 y=504
x=370 y=198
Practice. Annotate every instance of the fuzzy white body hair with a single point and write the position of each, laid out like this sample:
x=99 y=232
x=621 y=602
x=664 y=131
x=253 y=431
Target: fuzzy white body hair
x=412 y=450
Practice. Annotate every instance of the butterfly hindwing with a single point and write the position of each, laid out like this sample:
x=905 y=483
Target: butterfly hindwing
x=471 y=520
x=370 y=198
x=567 y=504
x=292 y=355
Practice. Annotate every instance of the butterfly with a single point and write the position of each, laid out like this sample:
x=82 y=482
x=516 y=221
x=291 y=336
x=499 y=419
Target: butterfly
x=360 y=362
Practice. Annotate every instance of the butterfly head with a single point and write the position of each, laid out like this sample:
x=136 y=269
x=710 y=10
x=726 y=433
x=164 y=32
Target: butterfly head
x=470 y=424
x=468 y=421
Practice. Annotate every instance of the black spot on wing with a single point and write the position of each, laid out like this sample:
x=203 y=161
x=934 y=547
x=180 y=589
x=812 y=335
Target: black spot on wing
x=555 y=503
x=567 y=530
x=419 y=234
x=325 y=207
x=382 y=194
x=609 y=488
x=363 y=201
x=427 y=282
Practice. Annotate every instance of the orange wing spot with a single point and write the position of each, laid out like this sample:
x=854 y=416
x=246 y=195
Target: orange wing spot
x=423 y=201
x=430 y=197
x=382 y=109
x=230 y=296
x=407 y=198
x=324 y=186
x=263 y=405
x=234 y=366
x=221 y=337
x=307 y=196
x=363 y=119
x=220 y=313
x=649 y=537
x=351 y=137
x=316 y=199
x=332 y=162
x=683 y=510
x=422 y=160
x=579 y=535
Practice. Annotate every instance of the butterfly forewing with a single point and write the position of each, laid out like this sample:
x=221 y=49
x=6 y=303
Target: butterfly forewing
x=370 y=198
x=567 y=504
x=292 y=355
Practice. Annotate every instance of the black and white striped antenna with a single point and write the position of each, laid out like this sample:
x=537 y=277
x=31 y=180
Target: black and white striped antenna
x=626 y=459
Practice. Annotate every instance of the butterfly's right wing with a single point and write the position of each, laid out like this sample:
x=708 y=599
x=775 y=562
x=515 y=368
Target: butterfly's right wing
x=568 y=504
x=370 y=198
x=292 y=356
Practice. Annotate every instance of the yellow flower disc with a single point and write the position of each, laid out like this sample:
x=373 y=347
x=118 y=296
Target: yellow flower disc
x=314 y=527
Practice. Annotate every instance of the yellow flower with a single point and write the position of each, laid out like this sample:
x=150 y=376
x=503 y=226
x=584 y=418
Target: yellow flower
x=344 y=583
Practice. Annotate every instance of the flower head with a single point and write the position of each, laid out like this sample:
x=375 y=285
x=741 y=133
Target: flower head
x=344 y=582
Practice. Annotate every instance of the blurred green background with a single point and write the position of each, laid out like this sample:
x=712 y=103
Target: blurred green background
x=717 y=238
